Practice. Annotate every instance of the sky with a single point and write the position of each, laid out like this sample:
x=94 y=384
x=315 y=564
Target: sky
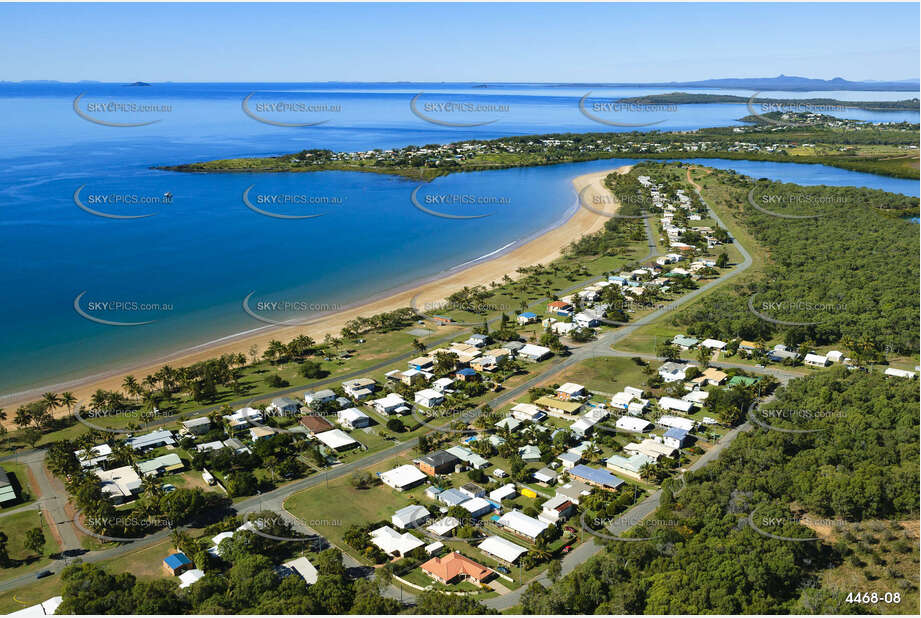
x=451 y=42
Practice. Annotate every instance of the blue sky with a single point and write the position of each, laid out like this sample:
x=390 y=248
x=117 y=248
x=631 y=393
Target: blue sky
x=450 y=42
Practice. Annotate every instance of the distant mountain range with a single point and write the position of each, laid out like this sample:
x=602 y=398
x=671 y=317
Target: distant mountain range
x=782 y=82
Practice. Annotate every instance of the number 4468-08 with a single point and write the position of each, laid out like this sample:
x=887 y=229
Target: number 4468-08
x=870 y=598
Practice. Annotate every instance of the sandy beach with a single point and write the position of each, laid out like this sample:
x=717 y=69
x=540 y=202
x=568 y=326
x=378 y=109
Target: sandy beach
x=540 y=250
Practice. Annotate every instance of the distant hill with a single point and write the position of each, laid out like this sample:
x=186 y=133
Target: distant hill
x=781 y=82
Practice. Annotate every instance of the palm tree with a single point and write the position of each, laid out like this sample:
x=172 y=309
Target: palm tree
x=70 y=400
x=23 y=417
x=51 y=401
x=131 y=386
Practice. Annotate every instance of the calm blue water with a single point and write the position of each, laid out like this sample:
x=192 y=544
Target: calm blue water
x=201 y=254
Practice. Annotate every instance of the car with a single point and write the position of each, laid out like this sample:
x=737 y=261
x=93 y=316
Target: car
x=567 y=549
x=43 y=574
x=168 y=488
x=760 y=366
x=502 y=570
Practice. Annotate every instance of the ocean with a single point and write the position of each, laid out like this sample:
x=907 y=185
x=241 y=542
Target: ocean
x=187 y=268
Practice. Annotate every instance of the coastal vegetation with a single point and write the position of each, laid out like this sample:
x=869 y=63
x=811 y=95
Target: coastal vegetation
x=888 y=149
x=704 y=554
x=692 y=98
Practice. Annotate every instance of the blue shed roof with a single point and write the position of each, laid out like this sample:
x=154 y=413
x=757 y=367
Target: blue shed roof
x=176 y=560
x=467 y=371
x=596 y=476
x=678 y=434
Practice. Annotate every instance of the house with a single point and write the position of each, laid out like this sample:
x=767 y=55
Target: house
x=675 y=405
x=631 y=423
x=569 y=459
x=713 y=344
x=651 y=448
x=455 y=568
x=527 y=317
x=411 y=516
x=477 y=507
x=521 y=525
x=315 y=424
x=437 y=462
x=570 y=390
x=442 y=384
x=676 y=438
x=466 y=375
x=337 y=440
x=676 y=422
x=710 y=376
x=431 y=492
x=429 y=398
x=545 y=475
x=98 y=455
x=561 y=408
x=414 y=377
x=629 y=466
x=359 y=389
x=352 y=418
x=898 y=373
x=534 y=353
x=558 y=307
x=236 y=446
x=259 y=433
x=636 y=408
x=452 y=497
x=748 y=347
x=302 y=568
x=506 y=492
x=444 y=526
x=574 y=491
x=528 y=412
x=7 y=491
x=501 y=550
x=197 y=426
x=402 y=477
x=684 y=342
x=585 y=319
x=422 y=363
x=529 y=452
x=472 y=490
x=587 y=421
x=835 y=356
x=177 y=563
x=509 y=423
x=319 y=397
x=596 y=478
x=154 y=439
x=562 y=328
x=672 y=372
x=781 y=353
x=620 y=401
x=477 y=340
x=393 y=543
x=391 y=404
x=190 y=577
x=556 y=509
x=697 y=397
x=283 y=406
x=469 y=457
x=242 y=419
x=815 y=360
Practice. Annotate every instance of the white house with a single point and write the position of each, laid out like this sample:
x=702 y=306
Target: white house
x=815 y=360
x=391 y=404
x=502 y=550
x=713 y=344
x=518 y=523
x=359 y=389
x=835 y=356
x=675 y=405
x=323 y=396
x=410 y=516
x=503 y=493
x=283 y=406
x=352 y=418
x=570 y=390
x=336 y=439
x=677 y=422
x=584 y=319
x=673 y=372
x=429 y=398
x=402 y=477
x=632 y=423
x=528 y=412
x=442 y=384
x=392 y=542
x=527 y=317
x=899 y=373
x=533 y=352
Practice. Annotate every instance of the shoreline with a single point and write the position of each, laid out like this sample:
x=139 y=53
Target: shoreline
x=539 y=248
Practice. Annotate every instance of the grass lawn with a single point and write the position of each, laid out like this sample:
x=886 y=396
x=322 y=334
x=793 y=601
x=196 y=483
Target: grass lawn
x=32 y=594
x=144 y=563
x=24 y=560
